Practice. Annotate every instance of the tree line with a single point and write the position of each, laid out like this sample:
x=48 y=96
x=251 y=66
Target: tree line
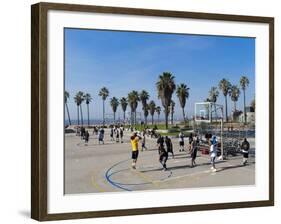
x=233 y=91
x=166 y=87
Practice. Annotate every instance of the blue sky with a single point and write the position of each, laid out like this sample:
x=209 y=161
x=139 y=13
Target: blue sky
x=125 y=61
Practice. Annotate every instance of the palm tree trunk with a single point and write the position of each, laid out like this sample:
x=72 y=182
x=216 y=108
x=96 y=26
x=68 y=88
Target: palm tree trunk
x=166 y=117
x=135 y=118
x=114 y=117
x=245 y=114
x=145 y=120
x=152 y=121
x=103 y=122
x=88 y=115
x=215 y=112
x=225 y=97
x=78 y=115
x=183 y=114
x=81 y=114
x=124 y=116
x=132 y=117
x=172 y=118
x=68 y=114
x=158 y=119
x=210 y=112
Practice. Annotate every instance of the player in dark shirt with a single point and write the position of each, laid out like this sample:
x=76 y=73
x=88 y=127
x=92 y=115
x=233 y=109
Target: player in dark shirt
x=163 y=154
x=245 y=146
x=169 y=145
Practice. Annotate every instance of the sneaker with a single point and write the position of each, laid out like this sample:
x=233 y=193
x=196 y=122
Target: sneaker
x=214 y=170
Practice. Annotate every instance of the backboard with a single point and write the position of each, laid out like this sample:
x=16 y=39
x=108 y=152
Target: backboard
x=208 y=112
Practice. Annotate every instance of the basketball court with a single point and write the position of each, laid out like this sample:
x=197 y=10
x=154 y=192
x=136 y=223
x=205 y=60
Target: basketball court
x=97 y=168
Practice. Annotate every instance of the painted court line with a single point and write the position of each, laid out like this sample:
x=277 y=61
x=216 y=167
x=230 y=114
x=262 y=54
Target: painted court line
x=186 y=175
x=95 y=184
x=145 y=177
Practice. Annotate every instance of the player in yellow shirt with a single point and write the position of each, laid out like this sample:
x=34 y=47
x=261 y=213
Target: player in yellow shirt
x=135 y=148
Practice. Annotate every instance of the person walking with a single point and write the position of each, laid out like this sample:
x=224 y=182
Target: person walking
x=245 y=146
x=135 y=149
x=121 y=134
x=101 y=136
x=163 y=154
x=194 y=148
x=143 y=147
x=213 y=151
x=117 y=134
x=169 y=146
x=87 y=135
x=111 y=134
x=83 y=131
x=190 y=140
x=181 y=141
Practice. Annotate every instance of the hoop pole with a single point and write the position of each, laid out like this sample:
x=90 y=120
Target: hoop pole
x=222 y=155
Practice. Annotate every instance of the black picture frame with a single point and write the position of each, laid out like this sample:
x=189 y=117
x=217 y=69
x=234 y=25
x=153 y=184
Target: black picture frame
x=39 y=106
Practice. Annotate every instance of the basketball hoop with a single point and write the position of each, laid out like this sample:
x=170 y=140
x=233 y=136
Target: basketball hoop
x=210 y=112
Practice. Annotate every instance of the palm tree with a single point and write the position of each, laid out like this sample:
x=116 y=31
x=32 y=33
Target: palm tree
x=77 y=100
x=224 y=86
x=114 y=103
x=104 y=93
x=81 y=96
x=146 y=112
x=152 y=108
x=124 y=104
x=66 y=97
x=182 y=94
x=213 y=96
x=166 y=87
x=244 y=82
x=172 y=110
x=144 y=96
x=133 y=98
x=158 y=111
x=88 y=99
x=234 y=95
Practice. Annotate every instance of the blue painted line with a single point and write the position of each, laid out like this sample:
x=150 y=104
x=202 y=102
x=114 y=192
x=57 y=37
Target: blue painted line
x=107 y=176
x=125 y=183
x=117 y=184
x=118 y=171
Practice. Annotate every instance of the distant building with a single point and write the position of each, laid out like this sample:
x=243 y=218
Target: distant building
x=236 y=115
x=250 y=113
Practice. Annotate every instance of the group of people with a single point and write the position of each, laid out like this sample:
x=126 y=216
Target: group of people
x=164 y=151
x=117 y=133
x=84 y=134
x=165 y=146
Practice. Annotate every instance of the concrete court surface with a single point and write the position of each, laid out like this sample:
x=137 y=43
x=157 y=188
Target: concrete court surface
x=94 y=168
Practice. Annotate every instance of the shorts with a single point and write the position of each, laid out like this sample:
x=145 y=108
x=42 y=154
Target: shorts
x=194 y=154
x=181 y=143
x=135 y=154
x=163 y=156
